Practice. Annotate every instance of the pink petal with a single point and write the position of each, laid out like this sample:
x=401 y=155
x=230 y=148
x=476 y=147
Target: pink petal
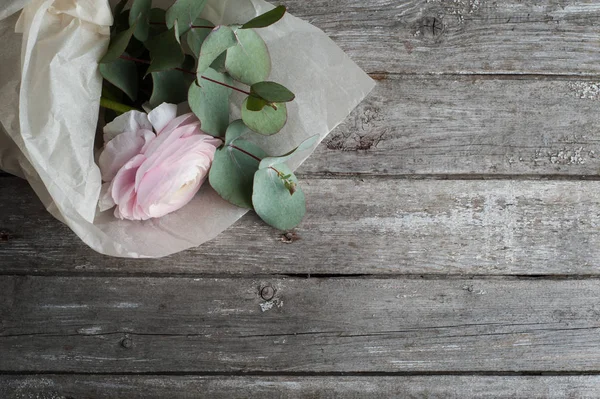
x=162 y=115
x=123 y=188
x=119 y=151
x=131 y=121
x=165 y=145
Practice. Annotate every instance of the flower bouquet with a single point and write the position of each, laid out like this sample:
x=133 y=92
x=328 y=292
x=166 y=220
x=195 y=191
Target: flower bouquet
x=203 y=109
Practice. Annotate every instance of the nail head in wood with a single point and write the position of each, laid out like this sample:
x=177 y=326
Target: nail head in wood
x=267 y=292
x=127 y=343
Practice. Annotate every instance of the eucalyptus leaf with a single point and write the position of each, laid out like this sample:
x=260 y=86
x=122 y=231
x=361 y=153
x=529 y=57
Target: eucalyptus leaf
x=232 y=171
x=165 y=51
x=268 y=120
x=169 y=87
x=272 y=200
x=118 y=45
x=249 y=61
x=121 y=22
x=120 y=7
x=238 y=130
x=210 y=102
x=306 y=145
x=138 y=17
x=189 y=65
x=123 y=74
x=255 y=103
x=184 y=12
x=135 y=48
x=157 y=18
x=219 y=64
x=272 y=92
x=266 y=19
x=217 y=42
x=196 y=37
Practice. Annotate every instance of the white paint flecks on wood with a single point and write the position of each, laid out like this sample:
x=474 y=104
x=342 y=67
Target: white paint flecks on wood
x=467 y=126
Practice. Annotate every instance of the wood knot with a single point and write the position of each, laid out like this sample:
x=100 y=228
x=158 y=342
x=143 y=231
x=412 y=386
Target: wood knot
x=6 y=235
x=289 y=237
x=431 y=28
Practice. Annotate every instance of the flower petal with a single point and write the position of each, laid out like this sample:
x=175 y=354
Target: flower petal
x=131 y=121
x=123 y=188
x=120 y=150
x=106 y=201
x=162 y=115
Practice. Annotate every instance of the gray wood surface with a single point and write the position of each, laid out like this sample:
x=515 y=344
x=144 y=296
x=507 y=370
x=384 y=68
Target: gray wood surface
x=355 y=387
x=183 y=325
x=462 y=197
x=469 y=227
x=466 y=127
x=543 y=37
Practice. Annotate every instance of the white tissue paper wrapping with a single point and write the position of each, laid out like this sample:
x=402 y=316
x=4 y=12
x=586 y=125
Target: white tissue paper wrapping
x=49 y=105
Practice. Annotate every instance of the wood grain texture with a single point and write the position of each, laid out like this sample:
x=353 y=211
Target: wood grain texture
x=186 y=325
x=463 y=37
x=375 y=226
x=468 y=126
x=413 y=387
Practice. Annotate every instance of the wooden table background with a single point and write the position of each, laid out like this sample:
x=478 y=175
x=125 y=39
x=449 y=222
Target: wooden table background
x=451 y=246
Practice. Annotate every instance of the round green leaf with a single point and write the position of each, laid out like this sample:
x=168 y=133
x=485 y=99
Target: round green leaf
x=123 y=74
x=165 y=51
x=184 y=12
x=219 y=64
x=157 y=19
x=196 y=37
x=169 y=87
x=138 y=16
x=272 y=92
x=267 y=121
x=117 y=46
x=217 y=42
x=249 y=61
x=210 y=102
x=232 y=171
x=236 y=130
x=120 y=7
x=255 y=103
x=266 y=19
x=121 y=19
x=272 y=199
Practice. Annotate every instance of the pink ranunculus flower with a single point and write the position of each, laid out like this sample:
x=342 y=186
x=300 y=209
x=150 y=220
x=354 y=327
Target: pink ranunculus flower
x=153 y=164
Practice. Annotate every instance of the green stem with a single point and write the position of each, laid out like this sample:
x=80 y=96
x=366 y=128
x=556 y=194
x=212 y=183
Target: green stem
x=253 y=156
x=115 y=106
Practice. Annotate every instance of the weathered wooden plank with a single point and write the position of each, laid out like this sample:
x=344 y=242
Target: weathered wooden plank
x=465 y=126
x=413 y=387
x=468 y=126
x=161 y=325
x=467 y=36
x=376 y=226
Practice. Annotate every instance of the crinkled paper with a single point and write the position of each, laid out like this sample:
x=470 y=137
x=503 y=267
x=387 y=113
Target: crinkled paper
x=49 y=106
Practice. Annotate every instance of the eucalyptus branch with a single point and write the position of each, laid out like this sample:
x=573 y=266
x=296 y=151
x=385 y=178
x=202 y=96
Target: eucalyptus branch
x=128 y=58
x=280 y=174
